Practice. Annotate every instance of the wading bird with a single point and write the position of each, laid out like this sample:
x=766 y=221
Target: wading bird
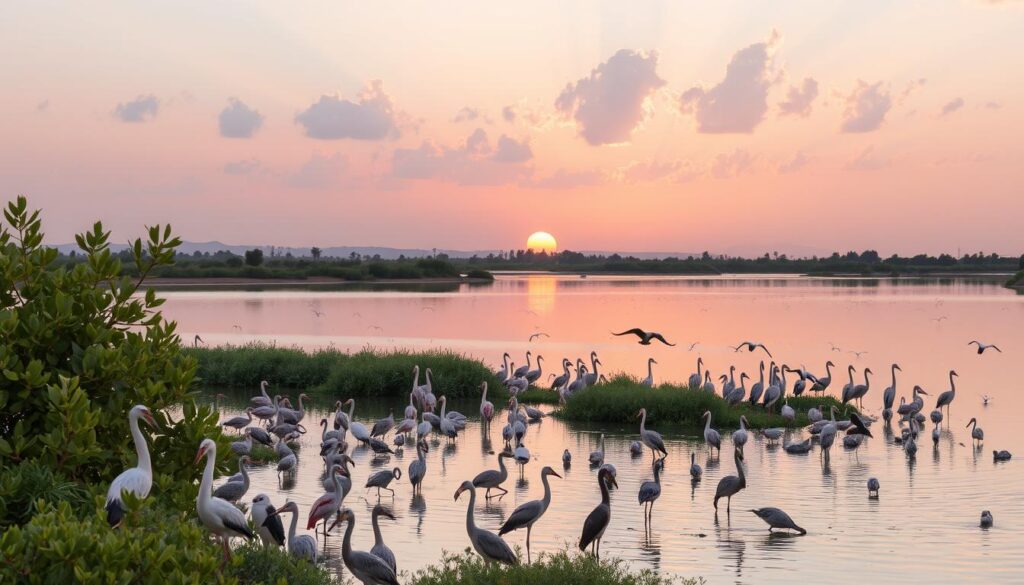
x=597 y=457
x=302 y=546
x=711 y=436
x=776 y=518
x=983 y=346
x=731 y=485
x=379 y=548
x=139 y=479
x=977 y=434
x=486 y=407
x=873 y=487
x=645 y=336
x=649 y=493
x=219 y=516
x=650 y=438
x=649 y=380
x=986 y=519
x=492 y=479
x=946 y=398
x=598 y=519
x=418 y=468
x=696 y=472
x=233 y=491
x=382 y=479
x=529 y=513
x=364 y=566
x=263 y=399
x=239 y=422
x=267 y=522
x=488 y=545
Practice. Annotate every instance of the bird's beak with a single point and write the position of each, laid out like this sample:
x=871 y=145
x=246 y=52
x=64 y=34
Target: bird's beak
x=555 y=473
x=614 y=483
x=921 y=391
x=459 y=491
x=148 y=417
x=199 y=455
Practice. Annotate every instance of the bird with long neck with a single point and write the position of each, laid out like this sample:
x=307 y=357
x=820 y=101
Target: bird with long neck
x=367 y=567
x=219 y=516
x=650 y=438
x=598 y=519
x=487 y=544
x=139 y=479
x=529 y=513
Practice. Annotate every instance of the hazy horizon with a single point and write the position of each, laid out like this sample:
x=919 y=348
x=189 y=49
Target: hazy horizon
x=804 y=128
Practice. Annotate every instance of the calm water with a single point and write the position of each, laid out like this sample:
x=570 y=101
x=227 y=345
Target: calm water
x=923 y=527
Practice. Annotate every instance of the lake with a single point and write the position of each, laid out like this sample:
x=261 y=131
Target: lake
x=924 y=525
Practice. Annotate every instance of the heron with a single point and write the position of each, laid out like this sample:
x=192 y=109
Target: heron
x=137 y=480
x=232 y=491
x=650 y=491
x=645 y=336
x=731 y=485
x=239 y=422
x=597 y=457
x=379 y=548
x=364 y=566
x=739 y=436
x=946 y=398
x=984 y=346
x=652 y=439
x=599 y=518
x=490 y=546
x=302 y=546
x=492 y=479
x=696 y=472
x=486 y=407
x=751 y=346
x=267 y=522
x=776 y=518
x=649 y=380
x=873 y=487
x=977 y=434
x=529 y=513
x=711 y=436
x=382 y=479
x=219 y=516
x=263 y=399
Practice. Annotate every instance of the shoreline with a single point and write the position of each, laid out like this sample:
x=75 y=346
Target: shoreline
x=230 y=281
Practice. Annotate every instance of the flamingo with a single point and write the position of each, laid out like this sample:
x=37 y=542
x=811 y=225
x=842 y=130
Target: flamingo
x=650 y=491
x=328 y=504
x=521 y=371
x=711 y=436
x=367 y=567
x=379 y=548
x=822 y=384
x=488 y=545
x=650 y=438
x=977 y=434
x=486 y=408
x=889 y=395
x=263 y=399
x=946 y=398
x=731 y=485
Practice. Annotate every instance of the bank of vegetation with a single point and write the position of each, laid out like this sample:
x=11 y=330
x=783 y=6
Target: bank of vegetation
x=1017 y=281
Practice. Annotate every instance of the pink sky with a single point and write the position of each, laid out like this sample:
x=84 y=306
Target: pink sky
x=733 y=127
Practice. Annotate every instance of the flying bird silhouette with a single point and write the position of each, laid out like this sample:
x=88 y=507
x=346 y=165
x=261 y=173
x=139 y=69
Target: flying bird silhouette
x=751 y=346
x=983 y=346
x=536 y=335
x=693 y=345
x=645 y=336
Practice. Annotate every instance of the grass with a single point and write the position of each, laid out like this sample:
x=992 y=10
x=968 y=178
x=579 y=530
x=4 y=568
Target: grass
x=561 y=567
x=622 y=397
x=1016 y=280
x=369 y=372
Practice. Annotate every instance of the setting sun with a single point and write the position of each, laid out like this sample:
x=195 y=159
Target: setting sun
x=541 y=242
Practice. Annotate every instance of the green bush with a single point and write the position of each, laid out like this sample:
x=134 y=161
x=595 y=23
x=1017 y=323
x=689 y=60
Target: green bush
x=577 y=569
x=252 y=564
x=246 y=365
x=480 y=274
x=24 y=484
x=622 y=397
x=79 y=347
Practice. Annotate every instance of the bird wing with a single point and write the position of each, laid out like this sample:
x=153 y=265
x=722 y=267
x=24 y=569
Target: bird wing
x=635 y=331
x=761 y=345
x=592 y=526
x=486 y=478
x=727 y=485
x=659 y=337
x=274 y=525
x=374 y=567
x=656 y=440
x=648 y=490
x=862 y=429
x=496 y=548
x=131 y=480
x=231 y=517
x=522 y=516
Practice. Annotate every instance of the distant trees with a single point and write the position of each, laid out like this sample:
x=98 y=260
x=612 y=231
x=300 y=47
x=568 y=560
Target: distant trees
x=315 y=253
x=1021 y=263
x=254 y=257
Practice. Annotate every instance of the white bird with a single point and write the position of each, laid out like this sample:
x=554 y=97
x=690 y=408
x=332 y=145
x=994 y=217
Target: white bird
x=739 y=436
x=139 y=479
x=268 y=524
x=597 y=457
x=651 y=438
x=219 y=516
x=486 y=407
x=649 y=380
x=787 y=411
x=697 y=378
x=302 y=546
x=711 y=436
x=263 y=399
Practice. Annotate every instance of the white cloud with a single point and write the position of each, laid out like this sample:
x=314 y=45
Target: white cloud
x=609 y=104
x=739 y=103
x=794 y=164
x=372 y=117
x=799 y=99
x=238 y=120
x=473 y=163
x=248 y=166
x=320 y=172
x=866 y=107
x=140 y=109
x=467 y=114
x=868 y=160
x=733 y=164
x=952 y=106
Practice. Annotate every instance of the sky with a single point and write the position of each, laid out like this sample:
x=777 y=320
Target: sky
x=736 y=127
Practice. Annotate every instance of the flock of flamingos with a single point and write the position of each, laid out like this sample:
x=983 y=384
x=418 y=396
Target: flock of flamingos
x=271 y=420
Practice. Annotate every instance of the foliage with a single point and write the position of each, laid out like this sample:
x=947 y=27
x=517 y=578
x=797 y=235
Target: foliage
x=479 y=274
x=153 y=546
x=1018 y=279
x=79 y=346
x=622 y=397
x=368 y=372
x=252 y=564
x=254 y=257
x=561 y=567
x=24 y=484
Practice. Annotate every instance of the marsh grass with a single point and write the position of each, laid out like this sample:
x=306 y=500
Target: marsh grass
x=622 y=397
x=560 y=568
x=369 y=372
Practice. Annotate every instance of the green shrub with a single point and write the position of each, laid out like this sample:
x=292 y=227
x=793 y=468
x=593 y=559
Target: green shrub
x=577 y=569
x=246 y=365
x=480 y=274
x=622 y=397
x=252 y=564
x=79 y=347
x=22 y=485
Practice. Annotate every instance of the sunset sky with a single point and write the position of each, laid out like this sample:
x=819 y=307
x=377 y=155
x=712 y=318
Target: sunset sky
x=735 y=127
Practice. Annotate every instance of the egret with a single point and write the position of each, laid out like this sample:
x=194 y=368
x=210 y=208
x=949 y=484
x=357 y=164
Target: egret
x=139 y=479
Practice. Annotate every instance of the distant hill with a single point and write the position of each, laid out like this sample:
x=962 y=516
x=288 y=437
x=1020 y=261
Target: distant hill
x=345 y=251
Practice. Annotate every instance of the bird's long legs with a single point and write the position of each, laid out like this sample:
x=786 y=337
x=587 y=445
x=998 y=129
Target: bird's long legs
x=528 y=528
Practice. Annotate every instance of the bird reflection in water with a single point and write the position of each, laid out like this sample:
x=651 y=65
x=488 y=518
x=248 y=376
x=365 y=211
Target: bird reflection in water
x=418 y=506
x=650 y=549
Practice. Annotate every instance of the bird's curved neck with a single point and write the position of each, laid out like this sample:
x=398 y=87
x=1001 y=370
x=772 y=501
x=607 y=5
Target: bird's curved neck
x=952 y=383
x=894 y=376
x=351 y=411
x=336 y=480
x=605 y=496
x=444 y=404
x=346 y=544
x=593 y=362
x=547 y=491
x=657 y=474
x=470 y=521
x=740 y=471
x=867 y=381
x=502 y=469
x=291 y=527
x=483 y=398
x=643 y=421
x=707 y=423
x=245 y=472
x=828 y=370
x=650 y=370
x=377 y=539
x=141 y=449
x=206 y=486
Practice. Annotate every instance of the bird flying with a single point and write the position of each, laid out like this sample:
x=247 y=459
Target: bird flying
x=645 y=336
x=751 y=346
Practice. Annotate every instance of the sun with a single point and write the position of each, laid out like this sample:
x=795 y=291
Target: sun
x=541 y=242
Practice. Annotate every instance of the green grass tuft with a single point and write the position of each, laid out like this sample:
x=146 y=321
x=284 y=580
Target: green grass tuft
x=561 y=568
x=622 y=397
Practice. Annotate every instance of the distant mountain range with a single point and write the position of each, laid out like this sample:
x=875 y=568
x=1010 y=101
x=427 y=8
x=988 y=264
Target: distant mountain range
x=345 y=251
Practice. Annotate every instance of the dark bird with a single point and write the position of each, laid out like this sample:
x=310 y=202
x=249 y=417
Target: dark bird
x=197 y=340
x=597 y=521
x=645 y=336
x=751 y=346
x=983 y=346
x=776 y=518
x=857 y=426
x=536 y=335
